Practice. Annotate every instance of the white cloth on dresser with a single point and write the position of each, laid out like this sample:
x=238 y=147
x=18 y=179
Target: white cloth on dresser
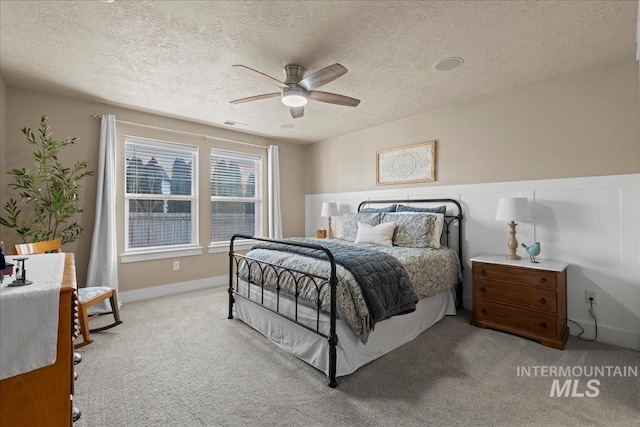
x=29 y=316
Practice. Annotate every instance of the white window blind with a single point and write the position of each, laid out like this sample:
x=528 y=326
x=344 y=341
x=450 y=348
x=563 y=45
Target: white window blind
x=236 y=195
x=161 y=195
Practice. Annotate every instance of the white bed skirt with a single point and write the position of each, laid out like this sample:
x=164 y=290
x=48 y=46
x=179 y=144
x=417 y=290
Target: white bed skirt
x=351 y=353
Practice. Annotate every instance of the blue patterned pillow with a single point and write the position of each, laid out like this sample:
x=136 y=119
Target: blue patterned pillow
x=350 y=223
x=390 y=208
x=416 y=230
x=438 y=209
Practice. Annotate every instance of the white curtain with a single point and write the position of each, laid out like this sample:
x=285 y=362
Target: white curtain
x=273 y=168
x=103 y=263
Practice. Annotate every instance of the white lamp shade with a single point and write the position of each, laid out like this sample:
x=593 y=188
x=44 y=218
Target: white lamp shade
x=329 y=209
x=513 y=209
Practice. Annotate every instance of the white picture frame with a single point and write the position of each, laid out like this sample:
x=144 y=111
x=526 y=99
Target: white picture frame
x=406 y=165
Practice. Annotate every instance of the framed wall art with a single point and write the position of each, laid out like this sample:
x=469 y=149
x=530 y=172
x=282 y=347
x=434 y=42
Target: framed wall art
x=405 y=165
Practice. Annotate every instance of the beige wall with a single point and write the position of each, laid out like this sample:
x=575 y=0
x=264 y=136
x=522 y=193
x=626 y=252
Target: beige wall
x=72 y=118
x=572 y=125
x=3 y=134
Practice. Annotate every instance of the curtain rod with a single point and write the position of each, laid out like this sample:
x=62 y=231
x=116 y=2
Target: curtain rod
x=200 y=135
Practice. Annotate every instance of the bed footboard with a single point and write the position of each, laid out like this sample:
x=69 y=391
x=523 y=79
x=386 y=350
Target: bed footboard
x=237 y=261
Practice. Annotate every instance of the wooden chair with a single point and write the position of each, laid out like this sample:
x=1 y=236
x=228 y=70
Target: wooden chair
x=87 y=296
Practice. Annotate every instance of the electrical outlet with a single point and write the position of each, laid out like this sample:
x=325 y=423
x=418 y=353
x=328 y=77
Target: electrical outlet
x=176 y=265
x=590 y=294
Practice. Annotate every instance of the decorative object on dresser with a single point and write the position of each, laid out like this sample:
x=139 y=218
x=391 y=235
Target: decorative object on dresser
x=533 y=251
x=525 y=299
x=329 y=210
x=513 y=209
x=404 y=165
x=21 y=273
x=87 y=296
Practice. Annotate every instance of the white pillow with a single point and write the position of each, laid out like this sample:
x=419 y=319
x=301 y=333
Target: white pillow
x=381 y=234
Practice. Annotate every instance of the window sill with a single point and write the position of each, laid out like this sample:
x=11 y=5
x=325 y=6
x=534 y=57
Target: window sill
x=237 y=246
x=161 y=254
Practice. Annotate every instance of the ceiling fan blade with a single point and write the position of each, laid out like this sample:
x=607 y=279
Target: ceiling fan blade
x=333 y=98
x=255 y=98
x=262 y=76
x=322 y=77
x=296 y=112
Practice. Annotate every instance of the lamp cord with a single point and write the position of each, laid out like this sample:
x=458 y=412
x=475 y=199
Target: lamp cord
x=595 y=321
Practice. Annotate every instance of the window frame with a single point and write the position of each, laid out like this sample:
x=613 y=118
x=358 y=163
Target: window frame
x=134 y=254
x=258 y=199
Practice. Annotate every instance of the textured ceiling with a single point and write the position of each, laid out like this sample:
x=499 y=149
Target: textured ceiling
x=175 y=57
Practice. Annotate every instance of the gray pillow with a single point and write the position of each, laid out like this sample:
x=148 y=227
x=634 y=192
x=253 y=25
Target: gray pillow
x=350 y=223
x=417 y=229
x=438 y=209
x=390 y=208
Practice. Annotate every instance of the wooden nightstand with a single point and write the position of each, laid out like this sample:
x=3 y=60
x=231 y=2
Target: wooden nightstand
x=522 y=298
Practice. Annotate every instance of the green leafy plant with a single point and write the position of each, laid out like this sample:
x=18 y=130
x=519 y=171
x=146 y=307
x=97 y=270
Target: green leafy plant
x=49 y=193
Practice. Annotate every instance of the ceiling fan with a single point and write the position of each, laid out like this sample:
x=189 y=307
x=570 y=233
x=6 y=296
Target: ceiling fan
x=297 y=89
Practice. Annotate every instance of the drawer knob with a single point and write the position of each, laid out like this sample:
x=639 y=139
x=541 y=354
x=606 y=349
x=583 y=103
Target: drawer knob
x=543 y=280
x=483 y=310
x=543 y=301
x=483 y=290
x=483 y=272
x=76 y=413
x=543 y=325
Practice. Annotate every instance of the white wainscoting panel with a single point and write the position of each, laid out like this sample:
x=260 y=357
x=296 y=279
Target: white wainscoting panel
x=593 y=223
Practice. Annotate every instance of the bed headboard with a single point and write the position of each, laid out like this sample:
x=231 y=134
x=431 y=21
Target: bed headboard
x=452 y=218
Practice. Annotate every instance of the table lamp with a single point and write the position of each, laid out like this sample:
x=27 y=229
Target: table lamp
x=329 y=210
x=513 y=209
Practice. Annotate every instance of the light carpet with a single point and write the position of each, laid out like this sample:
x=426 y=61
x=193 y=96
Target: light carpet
x=178 y=361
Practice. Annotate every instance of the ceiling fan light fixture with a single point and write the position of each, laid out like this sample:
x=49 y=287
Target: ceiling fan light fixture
x=294 y=97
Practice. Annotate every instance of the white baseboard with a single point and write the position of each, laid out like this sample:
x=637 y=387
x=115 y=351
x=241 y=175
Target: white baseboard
x=175 y=288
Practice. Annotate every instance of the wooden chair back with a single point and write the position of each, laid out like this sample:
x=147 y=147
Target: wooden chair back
x=38 y=247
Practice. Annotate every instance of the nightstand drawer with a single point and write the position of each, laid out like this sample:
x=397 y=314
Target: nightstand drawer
x=513 y=319
x=509 y=293
x=528 y=276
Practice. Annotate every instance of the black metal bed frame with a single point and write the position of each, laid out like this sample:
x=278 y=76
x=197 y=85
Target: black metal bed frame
x=236 y=260
x=448 y=221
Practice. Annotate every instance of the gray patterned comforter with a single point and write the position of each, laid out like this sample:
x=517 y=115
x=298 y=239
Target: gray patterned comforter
x=431 y=271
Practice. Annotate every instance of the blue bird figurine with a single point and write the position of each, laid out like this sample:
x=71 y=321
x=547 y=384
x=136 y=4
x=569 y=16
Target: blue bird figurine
x=533 y=251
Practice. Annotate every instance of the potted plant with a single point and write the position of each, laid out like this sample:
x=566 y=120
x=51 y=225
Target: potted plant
x=49 y=193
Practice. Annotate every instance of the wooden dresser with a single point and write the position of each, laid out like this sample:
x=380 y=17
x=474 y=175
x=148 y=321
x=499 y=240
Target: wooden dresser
x=522 y=298
x=43 y=397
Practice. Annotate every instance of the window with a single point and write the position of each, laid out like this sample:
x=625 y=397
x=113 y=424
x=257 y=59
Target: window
x=161 y=196
x=236 y=195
